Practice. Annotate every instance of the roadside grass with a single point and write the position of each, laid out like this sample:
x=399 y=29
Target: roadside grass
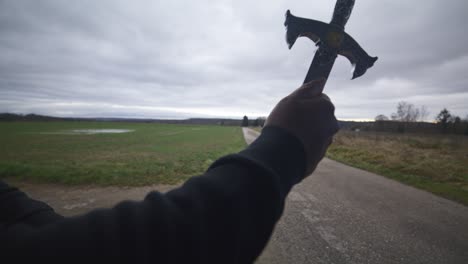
x=436 y=163
x=152 y=154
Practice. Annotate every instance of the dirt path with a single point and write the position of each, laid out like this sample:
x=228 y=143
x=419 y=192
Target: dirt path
x=249 y=135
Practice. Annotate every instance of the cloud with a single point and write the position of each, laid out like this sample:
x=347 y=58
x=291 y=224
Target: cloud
x=221 y=58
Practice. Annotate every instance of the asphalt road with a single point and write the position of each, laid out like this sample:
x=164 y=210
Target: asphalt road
x=340 y=214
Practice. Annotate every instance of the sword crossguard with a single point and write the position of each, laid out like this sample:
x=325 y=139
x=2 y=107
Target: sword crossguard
x=331 y=39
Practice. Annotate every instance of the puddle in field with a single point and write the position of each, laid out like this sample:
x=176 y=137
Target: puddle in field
x=91 y=131
x=101 y=131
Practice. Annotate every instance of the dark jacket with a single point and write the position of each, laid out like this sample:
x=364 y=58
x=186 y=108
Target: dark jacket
x=223 y=216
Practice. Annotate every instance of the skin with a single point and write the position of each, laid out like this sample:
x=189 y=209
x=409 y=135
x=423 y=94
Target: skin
x=309 y=115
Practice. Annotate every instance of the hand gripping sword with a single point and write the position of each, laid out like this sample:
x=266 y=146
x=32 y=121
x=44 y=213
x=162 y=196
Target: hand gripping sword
x=331 y=40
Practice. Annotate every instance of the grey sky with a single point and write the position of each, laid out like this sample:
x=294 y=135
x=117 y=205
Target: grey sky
x=177 y=59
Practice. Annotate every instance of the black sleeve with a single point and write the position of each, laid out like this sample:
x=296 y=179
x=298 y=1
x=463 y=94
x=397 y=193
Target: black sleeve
x=224 y=216
x=17 y=207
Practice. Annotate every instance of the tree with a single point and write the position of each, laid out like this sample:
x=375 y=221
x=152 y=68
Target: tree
x=254 y=123
x=457 y=124
x=443 y=118
x=423 y=113
x=465 y=121
x=245 y=121
x=406 y=112
x=261 y=121
x=381 y=118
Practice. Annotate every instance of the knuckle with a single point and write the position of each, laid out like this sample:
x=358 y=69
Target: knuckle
x=336 y=125
x=327 y=105
x=325 y=96
x=285 y=99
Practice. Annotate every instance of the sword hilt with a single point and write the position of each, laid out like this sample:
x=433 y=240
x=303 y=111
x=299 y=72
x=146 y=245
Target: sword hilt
x=342 y=12
x=331 y=40
x=321 y=65
x=325 y=56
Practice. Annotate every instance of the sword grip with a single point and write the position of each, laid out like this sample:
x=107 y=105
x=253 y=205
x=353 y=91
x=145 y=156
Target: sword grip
x=342 y=12
x=322 y=64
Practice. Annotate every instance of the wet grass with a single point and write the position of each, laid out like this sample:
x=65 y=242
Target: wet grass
x=152 y=154
x=436 y=163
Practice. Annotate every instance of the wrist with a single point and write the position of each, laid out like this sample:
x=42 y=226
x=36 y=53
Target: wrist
x=281 y=151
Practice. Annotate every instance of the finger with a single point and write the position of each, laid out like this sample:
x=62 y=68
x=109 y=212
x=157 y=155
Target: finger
x=314 y=83
x=324 y=96
x=310 y=89
x=316 y=98
x=313 y=100
x=313 y=88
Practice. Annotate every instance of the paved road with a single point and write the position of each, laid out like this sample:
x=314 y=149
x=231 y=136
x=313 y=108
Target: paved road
x=345 y=215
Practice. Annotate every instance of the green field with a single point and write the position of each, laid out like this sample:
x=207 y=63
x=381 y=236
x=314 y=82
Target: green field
x=436 y=163
x=151 y=154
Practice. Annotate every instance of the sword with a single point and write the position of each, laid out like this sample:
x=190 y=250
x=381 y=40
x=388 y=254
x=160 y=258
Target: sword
x=331 y=39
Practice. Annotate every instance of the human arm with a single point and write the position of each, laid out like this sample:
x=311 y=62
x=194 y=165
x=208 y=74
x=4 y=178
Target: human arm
x=224 y=216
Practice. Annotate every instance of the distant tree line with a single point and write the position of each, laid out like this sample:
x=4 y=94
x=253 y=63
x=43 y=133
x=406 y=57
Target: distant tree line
x=409 y=117
x=258 y=122
x=406 y=112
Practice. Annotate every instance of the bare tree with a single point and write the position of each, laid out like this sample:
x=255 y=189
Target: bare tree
x=465 y=121
x=423 y=113
x=381 y=118
x=406 y=112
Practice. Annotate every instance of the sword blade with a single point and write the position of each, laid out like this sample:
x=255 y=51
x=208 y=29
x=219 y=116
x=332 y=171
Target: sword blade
x=342 y=12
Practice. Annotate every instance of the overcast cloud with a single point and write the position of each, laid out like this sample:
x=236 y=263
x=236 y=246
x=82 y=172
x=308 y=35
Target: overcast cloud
x=178 y=59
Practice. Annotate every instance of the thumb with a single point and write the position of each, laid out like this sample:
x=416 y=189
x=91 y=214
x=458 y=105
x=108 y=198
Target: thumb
x=311 y=89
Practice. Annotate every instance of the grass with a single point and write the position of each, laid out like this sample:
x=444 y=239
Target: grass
x=152 y=154
x=436 y=163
